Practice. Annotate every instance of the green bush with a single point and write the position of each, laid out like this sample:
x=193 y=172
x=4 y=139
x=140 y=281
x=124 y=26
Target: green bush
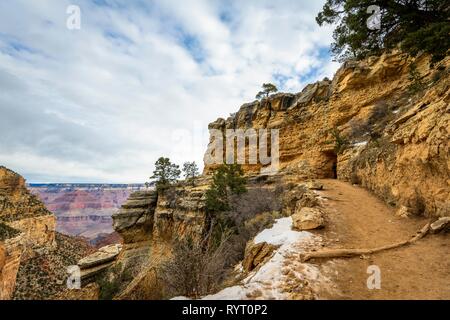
x=165 y=174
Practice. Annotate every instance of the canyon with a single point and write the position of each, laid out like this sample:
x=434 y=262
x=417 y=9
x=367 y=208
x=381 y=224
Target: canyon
x=363 y=164
x=366 y=127
x=85 y=210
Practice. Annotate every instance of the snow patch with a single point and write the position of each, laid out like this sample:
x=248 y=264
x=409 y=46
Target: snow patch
x=268 y=282
x=360 y=144
x=281 y=233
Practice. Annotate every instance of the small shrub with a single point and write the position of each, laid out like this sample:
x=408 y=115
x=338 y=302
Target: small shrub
x=437 y=76
x=354 y=178
x=196 y=268
x=227 y=180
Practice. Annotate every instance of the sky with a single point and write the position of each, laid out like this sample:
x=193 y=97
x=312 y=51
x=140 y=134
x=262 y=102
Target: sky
x=141 y=79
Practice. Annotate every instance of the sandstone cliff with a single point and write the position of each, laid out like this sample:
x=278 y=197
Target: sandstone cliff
x=373 y=124
x=149 y=223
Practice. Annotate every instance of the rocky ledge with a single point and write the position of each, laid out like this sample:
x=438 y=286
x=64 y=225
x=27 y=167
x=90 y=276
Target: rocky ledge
x=97 y=262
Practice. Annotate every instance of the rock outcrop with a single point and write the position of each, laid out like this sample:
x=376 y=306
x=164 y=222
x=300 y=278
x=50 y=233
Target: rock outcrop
x=149 y=223
x=134 y=221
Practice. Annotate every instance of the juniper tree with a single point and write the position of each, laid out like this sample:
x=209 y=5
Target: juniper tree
x=268 y=88
x=227 y=180
x=190 y=170
x=165 y=174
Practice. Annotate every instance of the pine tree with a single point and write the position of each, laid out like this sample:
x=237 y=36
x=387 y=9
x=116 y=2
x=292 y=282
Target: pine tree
x=165 y=174
x=418 y=25
x=190 y=170
x=268 y=88
x=227 y=179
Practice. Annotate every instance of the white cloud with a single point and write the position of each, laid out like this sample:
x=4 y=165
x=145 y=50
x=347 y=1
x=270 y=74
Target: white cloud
x=103 y=103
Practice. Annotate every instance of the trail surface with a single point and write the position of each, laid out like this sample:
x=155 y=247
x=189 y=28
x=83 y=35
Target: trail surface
x=357 y=219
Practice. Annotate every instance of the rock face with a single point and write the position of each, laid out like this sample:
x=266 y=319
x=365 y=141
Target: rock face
x=365 y=126
x=30 y=228
x=308 y=219
x=175 y=214
x=149 y=223
x=10 y=254
x=134 y=221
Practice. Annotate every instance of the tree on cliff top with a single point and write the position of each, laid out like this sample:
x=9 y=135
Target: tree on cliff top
x=268 y=88
x=417 y=25
x=165 y=174
x=190 y=170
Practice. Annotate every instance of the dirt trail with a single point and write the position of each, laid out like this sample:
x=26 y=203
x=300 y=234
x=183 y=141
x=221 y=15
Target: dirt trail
x=357 y=219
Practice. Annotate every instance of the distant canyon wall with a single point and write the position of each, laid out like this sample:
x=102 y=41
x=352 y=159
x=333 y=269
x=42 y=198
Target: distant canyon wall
x=84 y=212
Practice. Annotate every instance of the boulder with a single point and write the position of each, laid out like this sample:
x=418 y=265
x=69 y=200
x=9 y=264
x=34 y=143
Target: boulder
x=297 y=198
x=308 y=219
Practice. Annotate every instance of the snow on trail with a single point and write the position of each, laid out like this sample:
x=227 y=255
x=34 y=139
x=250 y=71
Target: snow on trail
x=272 y=279
x=281 y=234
